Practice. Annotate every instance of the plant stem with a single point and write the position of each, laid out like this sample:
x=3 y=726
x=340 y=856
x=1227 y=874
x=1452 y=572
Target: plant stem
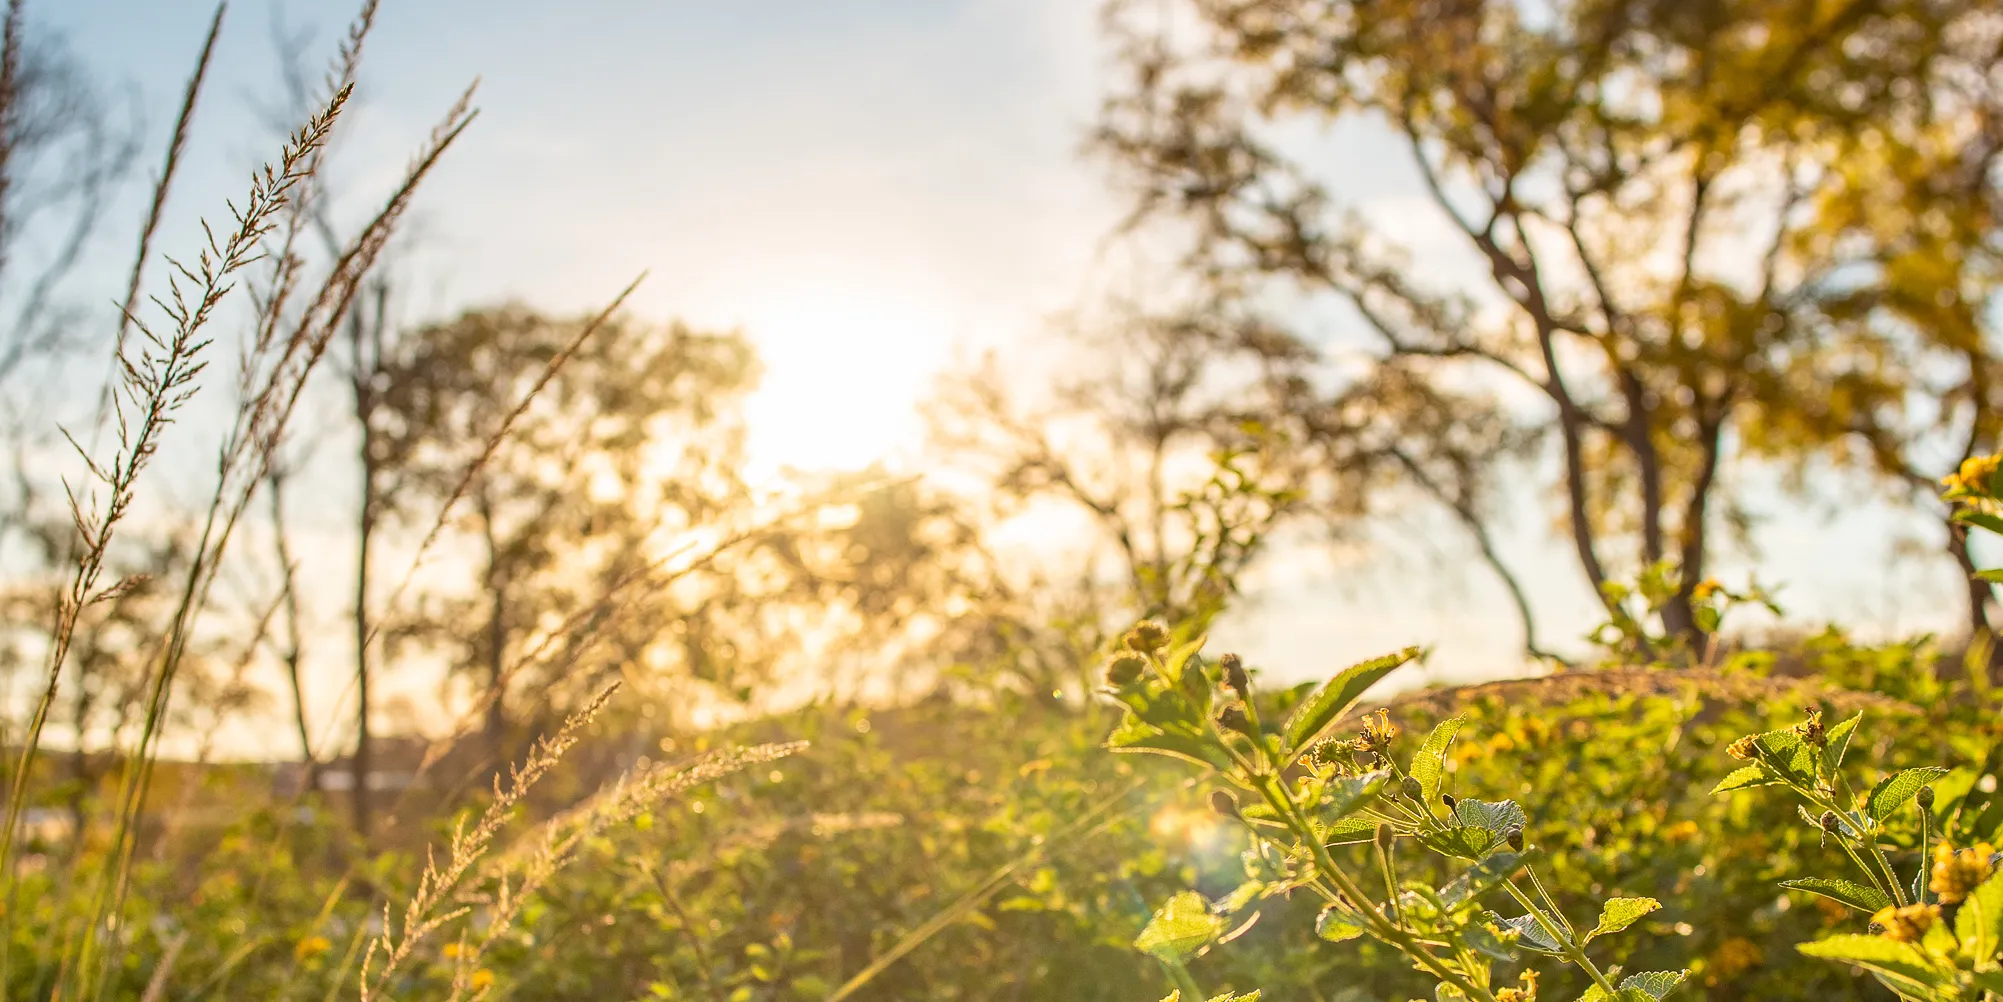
x=1570 y=947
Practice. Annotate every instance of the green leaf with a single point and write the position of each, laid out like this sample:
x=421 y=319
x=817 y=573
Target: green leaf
x=1865 y=899
x=1837 y=742
x=1335 y=927
x=1619 y=913
x=1484 y=941
x=1431 y=760
x=1180 y=929
x=1345 y=795
x=1874 y=953
x=1177 y=656
x=1969 y=516
x=1462 y=842
x=1530 y=934
x=1348 y=831
x=1745 y=778
x=1496 y=816
x=1979 y=923
x=1137 y=736
x=1481 y=878
x=1654 y=984
x=1993 y=574
x=1337 y=695
x=1790 y=757
x=1895 y=790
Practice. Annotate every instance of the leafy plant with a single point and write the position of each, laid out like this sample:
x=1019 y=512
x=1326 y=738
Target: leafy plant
x=1304 y=796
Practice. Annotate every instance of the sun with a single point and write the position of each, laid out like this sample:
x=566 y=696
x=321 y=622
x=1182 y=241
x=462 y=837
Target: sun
x=844 y=375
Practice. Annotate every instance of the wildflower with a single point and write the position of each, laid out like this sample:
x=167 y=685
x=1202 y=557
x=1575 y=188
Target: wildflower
x=482 y=980
x=1907 y=924
x=1955 y=874
x=1527 y=993
x=311 y=946
x=1124 y=668
x=1147 y=637
x=1234 y=675
x=1378 y=730
x=452 y=951
x=1744 y=748
x=1703 y=590
x=1974 y=474
x=1811 y=730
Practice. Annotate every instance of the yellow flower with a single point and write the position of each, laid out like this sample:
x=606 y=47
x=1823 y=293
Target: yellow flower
x=1974 y=474
x=482 y=980
x=311 y=946
x=1955 y=874
x=451 y=951
x=1744 y=747
x=1378 y=730
x=1906 y=924
x=1681 y=831
x=1703 y=590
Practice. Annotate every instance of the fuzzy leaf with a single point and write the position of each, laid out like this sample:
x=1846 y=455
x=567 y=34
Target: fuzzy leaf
x=1865 y=899
x=1746 y=777
x=1481 y=878
x=1348 y=831
x=1345 y=795
x=1619 y=913
x=1335 y=927
x=1498 y=816
x=1531 y=935
x=1656 y=984
x=1979 y=923
x=1137 y=736
x=1337 y=695
x=1462 y=842
x=1874 y=953
x=1430 y=761
x=1837 y=742
x=1180 y=929
x=1895 y=790
x=1787 y=755
x=1178 y=656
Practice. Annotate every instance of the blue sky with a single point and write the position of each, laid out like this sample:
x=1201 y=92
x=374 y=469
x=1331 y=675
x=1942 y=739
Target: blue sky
x=871 y=188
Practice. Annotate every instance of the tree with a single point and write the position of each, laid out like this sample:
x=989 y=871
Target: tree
x=1641 y=183
x=628 y=442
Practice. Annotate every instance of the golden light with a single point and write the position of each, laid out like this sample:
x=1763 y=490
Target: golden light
x=844 y=374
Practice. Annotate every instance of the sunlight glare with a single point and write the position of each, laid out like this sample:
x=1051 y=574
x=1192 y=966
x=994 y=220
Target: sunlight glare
x=843 y=378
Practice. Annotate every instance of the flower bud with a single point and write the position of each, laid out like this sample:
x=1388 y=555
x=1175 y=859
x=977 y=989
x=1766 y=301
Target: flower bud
x=1234 y=675
x=1147 y=637
x=1925 y=798
x=1384 y=836
x=1515 y=837
x=1124 y=669
x=1448 y=799
x=1831 y=825
x=1412 y=789
x=1233 y=718
x=1223 y=803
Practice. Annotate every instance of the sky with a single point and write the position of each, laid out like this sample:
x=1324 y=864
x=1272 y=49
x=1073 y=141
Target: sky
x=873 y=190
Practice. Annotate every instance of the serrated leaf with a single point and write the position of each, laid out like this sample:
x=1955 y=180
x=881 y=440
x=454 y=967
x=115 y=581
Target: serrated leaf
x=1865 y=899
x=1619 y=913
x=1979 y=923
x=1429 y=764
x=1787 y=755
x=1337 y=695
x=1499 y=816
x=1180 y=929
x=1969 y=516
x=1481 y=878
x=1178 y=656
x=1530 y=934
x=1874 y=953
x=1335 y=927
x=1461 y=842
x=1746 y=777
x=1348 y=831
x=1837 y=742
x=1138 y=736
x=1345 y=795
x=1479 y=938
x=1655 y=984
x=1895 y=790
